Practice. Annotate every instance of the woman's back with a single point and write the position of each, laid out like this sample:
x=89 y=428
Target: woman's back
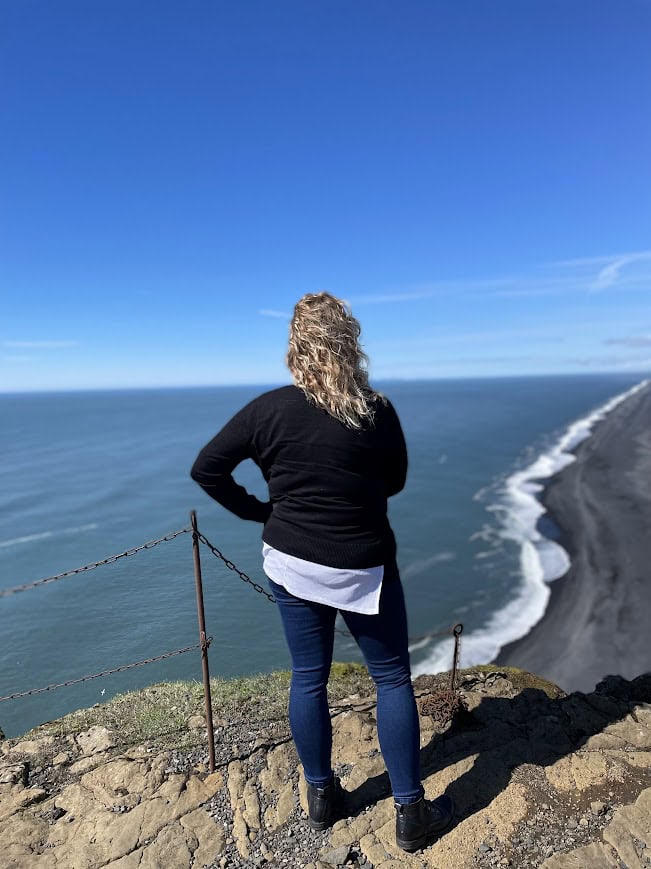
x=328 y=483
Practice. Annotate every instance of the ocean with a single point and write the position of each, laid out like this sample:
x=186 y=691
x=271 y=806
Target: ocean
x=91 y=474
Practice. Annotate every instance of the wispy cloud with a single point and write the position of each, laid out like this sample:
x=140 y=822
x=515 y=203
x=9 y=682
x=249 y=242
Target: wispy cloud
x=270 y=312
x=431 y=290
x=18 y=359
x=635 y=362
x=632 y=341
x=39 y=345
x=563 y=277
x=559 y=278
x=610 y=274
x=583 y=261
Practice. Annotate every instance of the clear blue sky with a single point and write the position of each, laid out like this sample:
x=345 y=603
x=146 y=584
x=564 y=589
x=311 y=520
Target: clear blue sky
x=473 y=176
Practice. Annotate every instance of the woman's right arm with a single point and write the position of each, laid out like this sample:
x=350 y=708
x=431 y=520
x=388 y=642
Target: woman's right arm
x=214 y=466
x=395 y=468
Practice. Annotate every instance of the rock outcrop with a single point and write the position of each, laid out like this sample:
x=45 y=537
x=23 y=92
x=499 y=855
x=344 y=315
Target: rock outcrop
x=539 y=779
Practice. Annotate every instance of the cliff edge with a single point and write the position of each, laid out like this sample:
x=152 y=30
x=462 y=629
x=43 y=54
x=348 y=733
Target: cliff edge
x=540 y=778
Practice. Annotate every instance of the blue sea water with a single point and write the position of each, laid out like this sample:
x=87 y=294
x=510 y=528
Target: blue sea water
x=85 y=475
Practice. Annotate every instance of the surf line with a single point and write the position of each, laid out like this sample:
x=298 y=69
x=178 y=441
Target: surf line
x=43 y=535
x=541 y=559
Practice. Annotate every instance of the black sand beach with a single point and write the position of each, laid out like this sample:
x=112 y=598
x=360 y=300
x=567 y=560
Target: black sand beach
x=598 y=620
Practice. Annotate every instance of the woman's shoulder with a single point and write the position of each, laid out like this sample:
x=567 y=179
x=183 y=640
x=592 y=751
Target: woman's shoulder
x=384 y=413
x=381 y=403
x=279 y=398
x=280 y=394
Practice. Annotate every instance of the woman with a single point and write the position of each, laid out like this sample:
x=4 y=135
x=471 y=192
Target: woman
x=332 y=451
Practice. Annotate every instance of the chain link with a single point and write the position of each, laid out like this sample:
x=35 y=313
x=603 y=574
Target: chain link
x=110 y=560
x=229 y=564
x=121 y=669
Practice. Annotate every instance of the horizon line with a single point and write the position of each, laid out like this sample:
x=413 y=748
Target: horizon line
x=644 y=375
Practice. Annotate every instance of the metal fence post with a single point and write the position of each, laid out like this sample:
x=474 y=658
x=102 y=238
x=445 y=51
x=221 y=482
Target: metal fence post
x=203 y=640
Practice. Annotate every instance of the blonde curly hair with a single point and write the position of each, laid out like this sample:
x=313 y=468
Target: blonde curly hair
x=327 y=362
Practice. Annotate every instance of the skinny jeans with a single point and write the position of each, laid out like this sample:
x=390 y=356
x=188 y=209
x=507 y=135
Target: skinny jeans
x=382 y=639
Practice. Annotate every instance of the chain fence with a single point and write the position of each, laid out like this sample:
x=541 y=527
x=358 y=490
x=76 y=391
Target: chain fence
x=110 y=560
x=121 y=669
x=205 y=641
x=150 y=544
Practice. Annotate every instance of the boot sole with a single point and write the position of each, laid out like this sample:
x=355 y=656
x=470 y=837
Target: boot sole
x=411 y=845
x=319 y=826
x=415 y=845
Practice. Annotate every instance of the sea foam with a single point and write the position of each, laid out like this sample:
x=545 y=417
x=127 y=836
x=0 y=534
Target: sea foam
x=516 y=517
x=44 y=535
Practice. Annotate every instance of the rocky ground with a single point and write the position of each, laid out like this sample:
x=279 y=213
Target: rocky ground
x=540 y=779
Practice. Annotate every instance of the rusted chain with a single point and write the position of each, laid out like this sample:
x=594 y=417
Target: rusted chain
x=229 y=564
x=247 y=579
x=105 y=672
x=111 y=558
x=444 y=704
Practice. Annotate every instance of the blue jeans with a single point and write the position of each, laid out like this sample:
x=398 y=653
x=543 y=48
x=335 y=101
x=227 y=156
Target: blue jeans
x=382 y=638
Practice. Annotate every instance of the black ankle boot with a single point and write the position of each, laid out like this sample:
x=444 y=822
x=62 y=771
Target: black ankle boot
x=324 y=804
x=418 y=822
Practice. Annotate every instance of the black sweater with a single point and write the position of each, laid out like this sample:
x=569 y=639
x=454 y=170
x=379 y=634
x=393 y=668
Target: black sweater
x=328 y=484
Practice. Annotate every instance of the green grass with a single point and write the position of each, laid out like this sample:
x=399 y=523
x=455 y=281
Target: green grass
x=522 y=679
x=160 y=713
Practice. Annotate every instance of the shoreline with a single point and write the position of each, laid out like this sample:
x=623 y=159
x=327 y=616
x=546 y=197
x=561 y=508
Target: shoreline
x=598 y=611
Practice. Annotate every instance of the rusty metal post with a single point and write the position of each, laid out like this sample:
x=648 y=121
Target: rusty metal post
x=457 y=630
x=203 y=640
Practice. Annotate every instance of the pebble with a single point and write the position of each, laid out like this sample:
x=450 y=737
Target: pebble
x=484 y=848
x=336 y=856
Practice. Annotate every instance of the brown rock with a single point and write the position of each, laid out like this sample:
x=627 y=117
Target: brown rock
x=210 y=837
x=593 y=856
x=236 y=782
x=251 y=811
x=631 y=823
x=241 y=835
x=95 y=740
x=286 y=803
x=13 y=773
x=33 y=747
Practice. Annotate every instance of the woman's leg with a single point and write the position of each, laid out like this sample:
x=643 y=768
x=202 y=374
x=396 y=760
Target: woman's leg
x=309 y=630
x=382 y=639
